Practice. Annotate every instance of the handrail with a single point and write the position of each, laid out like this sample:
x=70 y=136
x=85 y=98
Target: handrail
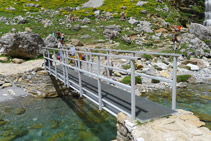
x=130 y=51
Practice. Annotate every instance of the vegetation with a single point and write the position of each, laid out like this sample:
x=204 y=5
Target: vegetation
x=127 y=80
x=183 y=78
x=155 y=81
x=147 y=56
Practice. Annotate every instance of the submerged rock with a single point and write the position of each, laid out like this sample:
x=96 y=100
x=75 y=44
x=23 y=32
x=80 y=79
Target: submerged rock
x=19 y=111
x=3 y=122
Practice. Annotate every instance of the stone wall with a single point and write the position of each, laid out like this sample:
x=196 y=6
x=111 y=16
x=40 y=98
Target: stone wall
x=181 y=127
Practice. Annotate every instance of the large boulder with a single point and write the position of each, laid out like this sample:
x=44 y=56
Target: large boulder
x=51 y=41
x=192 y=45
x=200 y=31
x=22 y=45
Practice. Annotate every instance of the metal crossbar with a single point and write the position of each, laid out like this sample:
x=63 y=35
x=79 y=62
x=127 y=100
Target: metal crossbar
x=94 y=67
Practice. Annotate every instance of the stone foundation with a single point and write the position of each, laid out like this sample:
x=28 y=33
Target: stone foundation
x=181 y=127
x=37 y=82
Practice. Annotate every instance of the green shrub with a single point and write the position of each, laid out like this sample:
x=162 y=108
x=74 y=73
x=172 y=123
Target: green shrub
x=147 y=56
x=126 y=67
x=127 y=80
x=155 y=81
x=183 y=78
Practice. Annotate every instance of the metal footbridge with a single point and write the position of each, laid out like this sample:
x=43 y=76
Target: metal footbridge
x=86 y=76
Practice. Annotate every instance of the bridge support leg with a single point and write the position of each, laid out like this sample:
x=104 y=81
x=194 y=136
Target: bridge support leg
x=133 y=100
x=99 y=83
x=174 y=83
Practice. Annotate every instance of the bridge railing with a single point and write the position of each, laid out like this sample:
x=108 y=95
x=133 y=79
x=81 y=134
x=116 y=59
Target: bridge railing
x=93 y=67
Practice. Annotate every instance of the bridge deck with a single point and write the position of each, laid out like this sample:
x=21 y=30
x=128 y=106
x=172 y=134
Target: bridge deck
x=145 y=109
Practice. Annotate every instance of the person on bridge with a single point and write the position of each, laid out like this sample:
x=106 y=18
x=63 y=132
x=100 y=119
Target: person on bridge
x=76 y=58
x=58 y=35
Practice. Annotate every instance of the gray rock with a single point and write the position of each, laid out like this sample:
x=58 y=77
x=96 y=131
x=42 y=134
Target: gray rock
x=13 y=29
x=11 y=8
x=22 y=44
x=113 y=27
x=76 y=42
x=93 y=3
x=3 y=19
x=111 y=34
x=46 y=23
x=20 y=20
x=97 y=13
x=126 y=39
x=30 y=5
x=51 y=41
x=123 y=7
x=143 y=12
x=86 y=21
x=144 y=26
x=200 y=31
x=141 y=3
x=85 y=36
x=76 y=27
x=133 y=21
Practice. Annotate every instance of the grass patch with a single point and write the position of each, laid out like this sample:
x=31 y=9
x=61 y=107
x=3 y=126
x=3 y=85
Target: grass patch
x=155 y=81
x=183 y=78
x=127 y=80
x=147 y=56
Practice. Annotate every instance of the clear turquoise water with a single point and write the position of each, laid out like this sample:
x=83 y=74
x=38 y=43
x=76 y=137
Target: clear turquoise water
x=195 y=98
x=60 y=119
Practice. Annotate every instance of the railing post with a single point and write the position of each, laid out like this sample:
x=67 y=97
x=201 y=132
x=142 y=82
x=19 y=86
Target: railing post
x=79 y=75
x=49 y=62
x=133 y=100
x=108 y=72
x=44 y=58
x=55 y=59
x=90 y=60
x=63 y=67
x=87 y=60
x=66 y=69
x=99 y=83
x=174 y=83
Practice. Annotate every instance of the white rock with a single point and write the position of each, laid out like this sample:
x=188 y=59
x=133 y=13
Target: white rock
x=162 y=66
x=193 y=67
x=129 y=125
x=11 y=92
x=140 y=139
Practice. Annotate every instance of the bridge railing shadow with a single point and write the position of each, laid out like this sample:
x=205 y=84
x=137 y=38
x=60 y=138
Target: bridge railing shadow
x=86 y=111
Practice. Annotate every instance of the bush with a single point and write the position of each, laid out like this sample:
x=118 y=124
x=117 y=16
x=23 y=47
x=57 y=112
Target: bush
x=155 y=81
x=183 y=78
x=127 y=80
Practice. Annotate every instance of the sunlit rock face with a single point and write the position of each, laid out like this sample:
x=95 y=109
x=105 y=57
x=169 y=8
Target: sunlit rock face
x=207 y=21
